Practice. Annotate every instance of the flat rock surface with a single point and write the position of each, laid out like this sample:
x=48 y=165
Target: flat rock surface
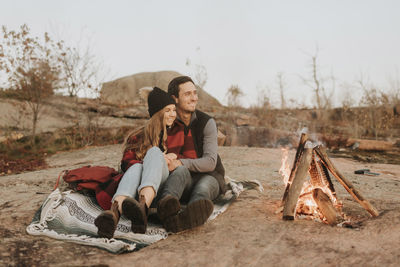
x=249 y=233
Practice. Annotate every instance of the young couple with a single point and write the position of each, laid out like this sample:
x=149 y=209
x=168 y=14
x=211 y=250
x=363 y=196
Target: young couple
x=172 y=158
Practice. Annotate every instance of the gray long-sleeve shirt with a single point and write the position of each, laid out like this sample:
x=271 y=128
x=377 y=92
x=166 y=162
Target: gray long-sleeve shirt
x=208 y=161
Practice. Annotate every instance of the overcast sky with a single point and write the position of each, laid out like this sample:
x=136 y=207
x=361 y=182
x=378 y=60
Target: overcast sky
x=238 y=42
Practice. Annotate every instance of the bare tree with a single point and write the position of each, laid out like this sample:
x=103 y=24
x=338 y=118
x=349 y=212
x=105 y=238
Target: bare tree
x=317 y=82
x=234 y=94
x=31 y=67
x=36 y=85
x=263 y=98
x=317 y=85
x=200 y=73
x=201 y=76
x=281 y=85
x=394 y=83
x=376 y=118
x=80 y=69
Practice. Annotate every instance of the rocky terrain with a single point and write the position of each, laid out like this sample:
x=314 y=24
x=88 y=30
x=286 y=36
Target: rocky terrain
x=249 y=233
x=120 y=105
x=60 y=112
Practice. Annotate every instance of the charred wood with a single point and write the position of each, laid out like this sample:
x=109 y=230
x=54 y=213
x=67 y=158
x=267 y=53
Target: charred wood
x=295 y=187
x=326 y=207
x=299 y=152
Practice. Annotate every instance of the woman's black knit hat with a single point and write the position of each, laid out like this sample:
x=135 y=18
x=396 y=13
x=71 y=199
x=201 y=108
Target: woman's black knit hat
x=157 y=100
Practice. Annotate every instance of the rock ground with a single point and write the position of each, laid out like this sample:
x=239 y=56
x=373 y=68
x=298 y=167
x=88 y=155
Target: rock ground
x=249 y=233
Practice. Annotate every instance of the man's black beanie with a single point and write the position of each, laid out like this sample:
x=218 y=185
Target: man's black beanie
x=157 y=100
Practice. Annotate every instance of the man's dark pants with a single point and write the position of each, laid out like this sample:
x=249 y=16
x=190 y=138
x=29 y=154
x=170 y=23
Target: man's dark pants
x=190 y=187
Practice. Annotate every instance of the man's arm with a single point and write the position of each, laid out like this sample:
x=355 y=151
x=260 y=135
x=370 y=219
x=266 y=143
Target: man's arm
x=208 y=161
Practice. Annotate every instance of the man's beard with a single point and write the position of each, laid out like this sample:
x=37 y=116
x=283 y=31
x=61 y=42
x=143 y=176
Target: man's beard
x=190 y=110
x=187 y=111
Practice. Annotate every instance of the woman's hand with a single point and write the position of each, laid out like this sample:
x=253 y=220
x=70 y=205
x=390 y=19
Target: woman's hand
x=172 y=162
x=175 y=163
x=170 y=156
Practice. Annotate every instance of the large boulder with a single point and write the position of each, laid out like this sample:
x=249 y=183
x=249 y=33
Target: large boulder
x=125 y=91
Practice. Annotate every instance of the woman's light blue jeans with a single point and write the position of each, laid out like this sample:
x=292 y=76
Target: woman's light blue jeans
x=153 y=172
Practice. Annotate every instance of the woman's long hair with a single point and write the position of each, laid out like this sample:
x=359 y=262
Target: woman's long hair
x=147 y=136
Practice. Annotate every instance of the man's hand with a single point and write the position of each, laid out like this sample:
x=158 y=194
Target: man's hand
x=169 y=158
x=173 y=164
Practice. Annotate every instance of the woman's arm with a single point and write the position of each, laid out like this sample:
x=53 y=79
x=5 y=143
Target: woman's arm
x=129 y=157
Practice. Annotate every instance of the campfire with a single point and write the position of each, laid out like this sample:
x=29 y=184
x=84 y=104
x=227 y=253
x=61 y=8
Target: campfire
x=315 y=197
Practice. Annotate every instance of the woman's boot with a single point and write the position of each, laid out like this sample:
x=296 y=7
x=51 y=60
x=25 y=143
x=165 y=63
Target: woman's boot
x=136 y=212
x=107 y=221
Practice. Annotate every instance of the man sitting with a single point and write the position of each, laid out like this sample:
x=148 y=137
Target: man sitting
x=201 y=177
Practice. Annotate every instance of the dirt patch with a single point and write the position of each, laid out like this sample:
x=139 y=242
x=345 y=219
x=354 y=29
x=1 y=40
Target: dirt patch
x=8 y=166
x=18 y=156
x=248 y=233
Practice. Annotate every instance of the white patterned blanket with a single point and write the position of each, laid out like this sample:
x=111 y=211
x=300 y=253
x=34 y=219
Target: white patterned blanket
x=70 y=216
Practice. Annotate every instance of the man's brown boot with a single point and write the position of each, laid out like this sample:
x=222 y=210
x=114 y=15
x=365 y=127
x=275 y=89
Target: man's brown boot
x=107 y=221
x=195 y=214
x=136 y=212
x=167 y=207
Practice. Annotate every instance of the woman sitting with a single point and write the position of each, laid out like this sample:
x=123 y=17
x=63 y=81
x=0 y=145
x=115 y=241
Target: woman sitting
x=145 y=167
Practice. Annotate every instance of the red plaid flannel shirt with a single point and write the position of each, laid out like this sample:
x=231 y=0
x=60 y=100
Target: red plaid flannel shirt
x=129 y=157
x=180 y=143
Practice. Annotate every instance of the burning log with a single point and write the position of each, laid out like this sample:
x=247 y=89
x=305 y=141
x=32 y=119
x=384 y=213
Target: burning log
x=315 y=174
x=326 y=207
x=315 y=197
x=320 y=177
x=294 y=189
x=346 y=184
x=299 y=152
x=327 y=178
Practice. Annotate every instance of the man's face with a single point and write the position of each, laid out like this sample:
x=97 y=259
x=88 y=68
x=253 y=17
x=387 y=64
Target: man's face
x=188 y=98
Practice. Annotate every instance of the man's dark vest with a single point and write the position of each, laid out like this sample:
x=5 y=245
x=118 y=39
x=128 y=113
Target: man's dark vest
x=197 y=127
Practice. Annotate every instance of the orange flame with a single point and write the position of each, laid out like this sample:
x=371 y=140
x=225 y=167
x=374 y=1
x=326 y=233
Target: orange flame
x=306 y=204
x=285 y=169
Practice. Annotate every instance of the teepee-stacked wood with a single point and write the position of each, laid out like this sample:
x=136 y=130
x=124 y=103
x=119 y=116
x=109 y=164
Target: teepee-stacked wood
x=316 y=163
